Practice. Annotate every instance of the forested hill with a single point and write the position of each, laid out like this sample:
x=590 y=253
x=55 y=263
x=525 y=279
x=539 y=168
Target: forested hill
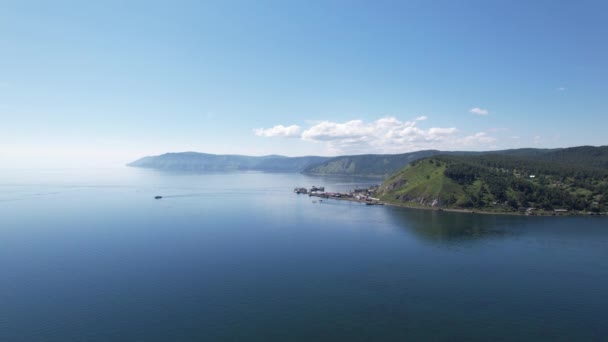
x=571 y=179
x=384 y=165
x=587 y=156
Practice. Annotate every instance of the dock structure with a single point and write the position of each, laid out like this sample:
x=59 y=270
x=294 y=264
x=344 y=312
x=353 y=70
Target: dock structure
x=363 y=196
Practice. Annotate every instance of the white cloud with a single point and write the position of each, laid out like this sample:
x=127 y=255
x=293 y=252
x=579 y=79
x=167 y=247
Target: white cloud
x=292 y=131
x=385 y=135
x=561 y=89
x=480 y=138
x=479 y=111
x=326 y=130
x=437 y=131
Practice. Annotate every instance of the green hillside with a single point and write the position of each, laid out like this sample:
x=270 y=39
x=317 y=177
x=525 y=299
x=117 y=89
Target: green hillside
x=422 y=183
x=498 y=182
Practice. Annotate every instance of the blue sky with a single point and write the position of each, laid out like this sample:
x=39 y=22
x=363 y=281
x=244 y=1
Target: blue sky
x=87 y=83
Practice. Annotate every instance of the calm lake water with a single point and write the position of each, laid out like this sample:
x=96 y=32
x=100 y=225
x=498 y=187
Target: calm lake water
x=91 y=256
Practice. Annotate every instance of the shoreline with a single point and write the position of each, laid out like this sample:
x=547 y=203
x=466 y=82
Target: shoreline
x=487 y=212
x=462 y=211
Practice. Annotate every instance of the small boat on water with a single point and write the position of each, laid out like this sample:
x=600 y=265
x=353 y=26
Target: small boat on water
x=158 y=197
x=374 y=203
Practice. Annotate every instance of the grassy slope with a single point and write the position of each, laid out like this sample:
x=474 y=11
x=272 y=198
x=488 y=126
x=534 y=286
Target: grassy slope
x=421 y=184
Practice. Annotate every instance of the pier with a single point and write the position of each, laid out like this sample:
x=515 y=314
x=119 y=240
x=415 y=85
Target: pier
x=363 y=196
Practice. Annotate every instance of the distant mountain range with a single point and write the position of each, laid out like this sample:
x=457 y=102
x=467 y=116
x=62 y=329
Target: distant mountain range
x=369 y=165
x=366 y=165
x=204 y=162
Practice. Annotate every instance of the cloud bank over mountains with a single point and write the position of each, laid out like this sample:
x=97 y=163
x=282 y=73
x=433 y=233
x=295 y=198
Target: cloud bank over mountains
x=385 y=135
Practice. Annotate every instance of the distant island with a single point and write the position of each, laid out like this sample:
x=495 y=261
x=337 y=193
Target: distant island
x=205 y=162
x=529 y=181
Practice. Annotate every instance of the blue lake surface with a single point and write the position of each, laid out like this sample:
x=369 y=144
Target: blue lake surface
x=89 y=255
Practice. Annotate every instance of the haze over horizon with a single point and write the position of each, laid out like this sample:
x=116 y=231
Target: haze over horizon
x=102 y=84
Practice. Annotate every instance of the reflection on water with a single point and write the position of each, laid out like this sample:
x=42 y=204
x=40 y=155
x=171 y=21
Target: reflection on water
x=449 y=226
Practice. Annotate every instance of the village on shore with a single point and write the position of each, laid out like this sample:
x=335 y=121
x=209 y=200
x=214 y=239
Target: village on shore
x=363 y=195
x=366 y=196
